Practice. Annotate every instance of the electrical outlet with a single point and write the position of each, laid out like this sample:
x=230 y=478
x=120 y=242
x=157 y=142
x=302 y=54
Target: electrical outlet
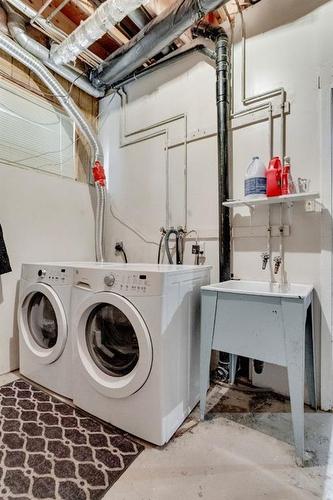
x=119 y=247
x=310 y=206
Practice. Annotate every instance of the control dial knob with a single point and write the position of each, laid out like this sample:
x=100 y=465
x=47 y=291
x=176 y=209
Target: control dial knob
x=109 y=280
x=42 y=273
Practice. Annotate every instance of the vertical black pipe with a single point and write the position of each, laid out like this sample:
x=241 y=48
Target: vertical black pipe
x=223 y=127
x=223 y=117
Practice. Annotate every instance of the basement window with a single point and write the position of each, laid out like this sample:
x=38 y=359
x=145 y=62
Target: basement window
x=34 y=133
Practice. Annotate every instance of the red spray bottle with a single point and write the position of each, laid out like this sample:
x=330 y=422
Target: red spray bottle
x=287 y=184
x=273 y=177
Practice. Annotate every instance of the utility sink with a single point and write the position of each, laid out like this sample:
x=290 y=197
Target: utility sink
x=262 y=288
x=265 y=321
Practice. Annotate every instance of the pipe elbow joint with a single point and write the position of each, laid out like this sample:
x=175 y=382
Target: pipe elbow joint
x=96 y=81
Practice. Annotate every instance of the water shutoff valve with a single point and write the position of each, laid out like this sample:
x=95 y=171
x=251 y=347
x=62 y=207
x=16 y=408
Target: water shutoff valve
x=265 y=259
x=277 y=264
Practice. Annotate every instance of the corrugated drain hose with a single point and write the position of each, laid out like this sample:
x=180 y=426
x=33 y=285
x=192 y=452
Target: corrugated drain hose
x=167 y=247
x=160 y=248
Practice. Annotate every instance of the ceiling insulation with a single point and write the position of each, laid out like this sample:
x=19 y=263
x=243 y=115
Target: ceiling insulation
x=64 y=16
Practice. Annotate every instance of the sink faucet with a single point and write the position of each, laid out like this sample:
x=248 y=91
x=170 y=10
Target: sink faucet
x=277 y=264
x=265 y=259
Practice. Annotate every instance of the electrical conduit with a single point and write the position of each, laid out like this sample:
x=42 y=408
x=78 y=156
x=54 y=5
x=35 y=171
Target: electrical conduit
x=24 y=57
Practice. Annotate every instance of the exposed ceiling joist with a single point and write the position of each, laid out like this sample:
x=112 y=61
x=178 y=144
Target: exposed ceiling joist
x=66 y=24
x=66 y=15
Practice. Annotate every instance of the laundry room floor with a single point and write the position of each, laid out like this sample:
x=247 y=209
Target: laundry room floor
x=243 y=450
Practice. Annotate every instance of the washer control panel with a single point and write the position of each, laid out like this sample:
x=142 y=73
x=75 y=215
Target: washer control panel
x=109 y=280
x=49 y=274
x=55 y=275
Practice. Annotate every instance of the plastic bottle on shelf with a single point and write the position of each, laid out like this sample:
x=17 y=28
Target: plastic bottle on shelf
x=255 y=179
x=273 y=177
x=287 y=184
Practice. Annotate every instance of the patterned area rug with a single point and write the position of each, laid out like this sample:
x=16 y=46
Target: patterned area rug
x=50 y=450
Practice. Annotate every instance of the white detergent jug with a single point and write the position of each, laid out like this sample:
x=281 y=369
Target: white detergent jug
x=255 y=179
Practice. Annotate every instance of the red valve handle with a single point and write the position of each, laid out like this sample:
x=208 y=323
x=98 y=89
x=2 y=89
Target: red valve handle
x=99 y=174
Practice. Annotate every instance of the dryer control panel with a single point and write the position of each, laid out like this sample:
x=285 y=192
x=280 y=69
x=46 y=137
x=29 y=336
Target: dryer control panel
x=127 y=283
x=135 y=283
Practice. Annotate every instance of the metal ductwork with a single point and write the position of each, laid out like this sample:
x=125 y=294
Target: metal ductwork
x=31 y=13
x=105 y=17
x=48 y=27
x=198 y=46
x=37 y=67
x=16 y=26
x=152 y=39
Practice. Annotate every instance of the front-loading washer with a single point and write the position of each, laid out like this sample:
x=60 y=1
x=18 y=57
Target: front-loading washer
x=136 y=343
x=43 y=320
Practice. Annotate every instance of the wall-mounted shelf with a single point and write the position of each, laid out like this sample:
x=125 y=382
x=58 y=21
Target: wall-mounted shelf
x=288 y=198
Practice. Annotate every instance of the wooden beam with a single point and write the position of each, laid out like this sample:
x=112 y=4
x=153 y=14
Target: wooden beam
x=66 y=24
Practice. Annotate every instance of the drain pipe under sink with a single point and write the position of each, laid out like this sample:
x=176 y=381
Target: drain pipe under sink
x=37 y=67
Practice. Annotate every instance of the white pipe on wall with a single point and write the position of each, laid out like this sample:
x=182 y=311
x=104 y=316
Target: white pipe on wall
x=247 y=101
x=105 y=17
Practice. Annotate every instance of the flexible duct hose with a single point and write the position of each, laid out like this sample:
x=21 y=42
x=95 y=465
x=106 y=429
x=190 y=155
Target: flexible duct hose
x=17 y=29
x=99 y=223
x=21 y=55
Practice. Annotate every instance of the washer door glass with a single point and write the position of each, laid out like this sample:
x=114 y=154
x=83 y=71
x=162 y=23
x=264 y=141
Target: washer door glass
x=111 y=340
x=42 y=321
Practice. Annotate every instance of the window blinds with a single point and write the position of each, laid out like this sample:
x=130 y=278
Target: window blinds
x=34 y=133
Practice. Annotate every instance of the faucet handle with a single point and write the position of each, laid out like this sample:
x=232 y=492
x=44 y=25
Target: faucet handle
x=277 y=264
x=265 y=259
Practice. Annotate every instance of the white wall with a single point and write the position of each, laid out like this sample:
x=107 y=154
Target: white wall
x=44 y=218
x=138 y=172
x=290 y=44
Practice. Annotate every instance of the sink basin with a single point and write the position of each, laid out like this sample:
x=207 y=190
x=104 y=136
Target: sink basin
x=289 y=290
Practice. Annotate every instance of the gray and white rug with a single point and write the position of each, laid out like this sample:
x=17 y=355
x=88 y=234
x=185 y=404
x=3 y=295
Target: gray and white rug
x=50 y=450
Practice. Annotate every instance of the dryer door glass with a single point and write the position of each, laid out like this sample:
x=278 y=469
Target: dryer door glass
x=111 y=340
x=42 y=321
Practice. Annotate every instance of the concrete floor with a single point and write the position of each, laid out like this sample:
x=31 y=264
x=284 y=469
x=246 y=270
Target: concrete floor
x=242 y=451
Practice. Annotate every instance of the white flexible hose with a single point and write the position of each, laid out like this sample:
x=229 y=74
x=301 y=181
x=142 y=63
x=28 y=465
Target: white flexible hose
x=99 y=223
x=24 y=57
